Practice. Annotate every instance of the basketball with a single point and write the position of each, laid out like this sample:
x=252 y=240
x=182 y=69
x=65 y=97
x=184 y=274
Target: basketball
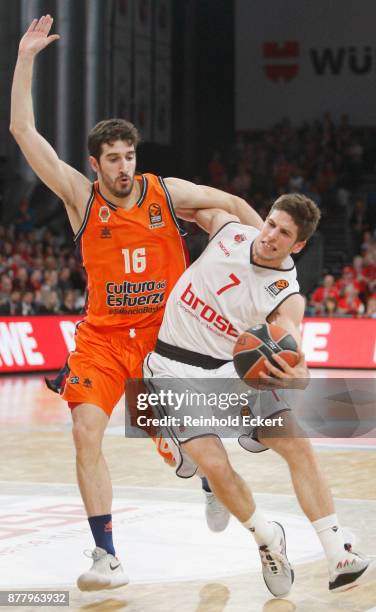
x=260 y=342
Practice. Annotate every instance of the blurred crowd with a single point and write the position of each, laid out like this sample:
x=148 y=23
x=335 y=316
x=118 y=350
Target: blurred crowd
x=325 y=162
x=353 y=294
x=321 y=160
x=41 y=274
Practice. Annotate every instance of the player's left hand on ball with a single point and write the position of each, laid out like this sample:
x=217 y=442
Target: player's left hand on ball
x=286 y=376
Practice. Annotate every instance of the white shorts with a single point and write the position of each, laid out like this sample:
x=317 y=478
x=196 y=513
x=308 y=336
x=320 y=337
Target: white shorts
x=211 y=402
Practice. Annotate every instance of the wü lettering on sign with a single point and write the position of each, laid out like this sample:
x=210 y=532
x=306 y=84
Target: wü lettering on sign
x=298 y=59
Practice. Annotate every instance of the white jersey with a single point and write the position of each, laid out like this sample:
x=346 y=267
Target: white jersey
x=223 y=293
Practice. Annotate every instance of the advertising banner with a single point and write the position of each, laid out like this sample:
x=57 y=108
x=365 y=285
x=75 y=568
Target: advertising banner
x=29 y=344
x=300 y=59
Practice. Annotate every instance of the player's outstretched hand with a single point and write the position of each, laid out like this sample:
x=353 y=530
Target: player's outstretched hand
x=286 y=376
x=37 y=36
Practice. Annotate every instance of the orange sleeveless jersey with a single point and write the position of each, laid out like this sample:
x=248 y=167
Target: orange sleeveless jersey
x=132 y=257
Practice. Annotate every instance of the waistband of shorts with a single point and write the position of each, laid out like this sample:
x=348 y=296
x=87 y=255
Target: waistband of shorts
x=119 y=330
x=189 y=357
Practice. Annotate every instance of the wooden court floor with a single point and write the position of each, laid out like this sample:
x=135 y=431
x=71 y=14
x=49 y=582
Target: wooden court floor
x=42 y=525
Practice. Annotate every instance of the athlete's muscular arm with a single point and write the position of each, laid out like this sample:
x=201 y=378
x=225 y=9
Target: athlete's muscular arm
x=211 y=219
x=289 y=316
x=70 y=185
x=188 y=195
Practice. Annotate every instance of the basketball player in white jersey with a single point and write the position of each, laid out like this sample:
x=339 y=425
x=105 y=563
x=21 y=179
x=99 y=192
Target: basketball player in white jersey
x=234 y=285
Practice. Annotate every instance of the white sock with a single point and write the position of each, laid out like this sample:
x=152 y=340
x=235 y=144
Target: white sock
x=331 y=537
x=263 y=531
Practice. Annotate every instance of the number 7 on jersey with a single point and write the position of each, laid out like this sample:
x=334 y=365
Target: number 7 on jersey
x=234 y=282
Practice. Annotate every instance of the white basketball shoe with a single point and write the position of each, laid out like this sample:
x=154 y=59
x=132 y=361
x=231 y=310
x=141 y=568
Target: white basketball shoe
x=276 y=569
x=217 y=515
x=352 y=570
x=105 y=573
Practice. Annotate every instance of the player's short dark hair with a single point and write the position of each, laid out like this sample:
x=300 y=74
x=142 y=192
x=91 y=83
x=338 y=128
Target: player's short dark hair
x=304 y=212
x=109 y=130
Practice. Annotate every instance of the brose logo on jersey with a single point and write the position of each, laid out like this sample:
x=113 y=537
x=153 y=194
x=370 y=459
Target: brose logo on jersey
x=205 y=313
x=275 y=288
x=155 y=216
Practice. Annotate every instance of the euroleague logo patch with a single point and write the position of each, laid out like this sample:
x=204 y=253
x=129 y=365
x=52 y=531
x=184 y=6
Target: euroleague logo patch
x=275 y=288
x=104 y=214
x=155 y=216
x=240 y=238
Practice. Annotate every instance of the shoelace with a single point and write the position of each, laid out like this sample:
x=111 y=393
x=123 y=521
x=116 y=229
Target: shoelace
x=92 y=554
x=272 y=560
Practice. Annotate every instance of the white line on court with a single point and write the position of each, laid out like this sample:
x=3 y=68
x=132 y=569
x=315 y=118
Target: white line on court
x=73 y=485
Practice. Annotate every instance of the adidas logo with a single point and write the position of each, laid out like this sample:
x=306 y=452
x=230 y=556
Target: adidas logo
x=335 y=528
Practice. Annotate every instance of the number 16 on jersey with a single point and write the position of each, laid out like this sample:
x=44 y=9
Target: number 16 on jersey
x=134 y=261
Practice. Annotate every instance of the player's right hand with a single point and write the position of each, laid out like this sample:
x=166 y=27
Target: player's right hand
x=285 y=376
x=37 y=36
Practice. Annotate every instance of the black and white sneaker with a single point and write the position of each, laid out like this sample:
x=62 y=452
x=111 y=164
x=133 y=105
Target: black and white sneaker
x=351 y=571
x=276 y=569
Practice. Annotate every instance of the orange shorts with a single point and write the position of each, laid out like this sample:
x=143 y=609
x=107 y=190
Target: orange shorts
x=102 y=363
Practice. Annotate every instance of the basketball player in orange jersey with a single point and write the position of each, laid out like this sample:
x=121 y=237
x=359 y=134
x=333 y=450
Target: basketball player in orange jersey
x=133 y=254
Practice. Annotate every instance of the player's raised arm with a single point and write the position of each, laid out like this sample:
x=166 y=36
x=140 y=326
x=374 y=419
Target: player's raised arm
x=66 y=182
x=185 y=194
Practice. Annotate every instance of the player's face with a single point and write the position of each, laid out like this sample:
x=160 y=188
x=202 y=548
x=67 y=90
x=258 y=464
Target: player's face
x=277 y=239
x=116 y=167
